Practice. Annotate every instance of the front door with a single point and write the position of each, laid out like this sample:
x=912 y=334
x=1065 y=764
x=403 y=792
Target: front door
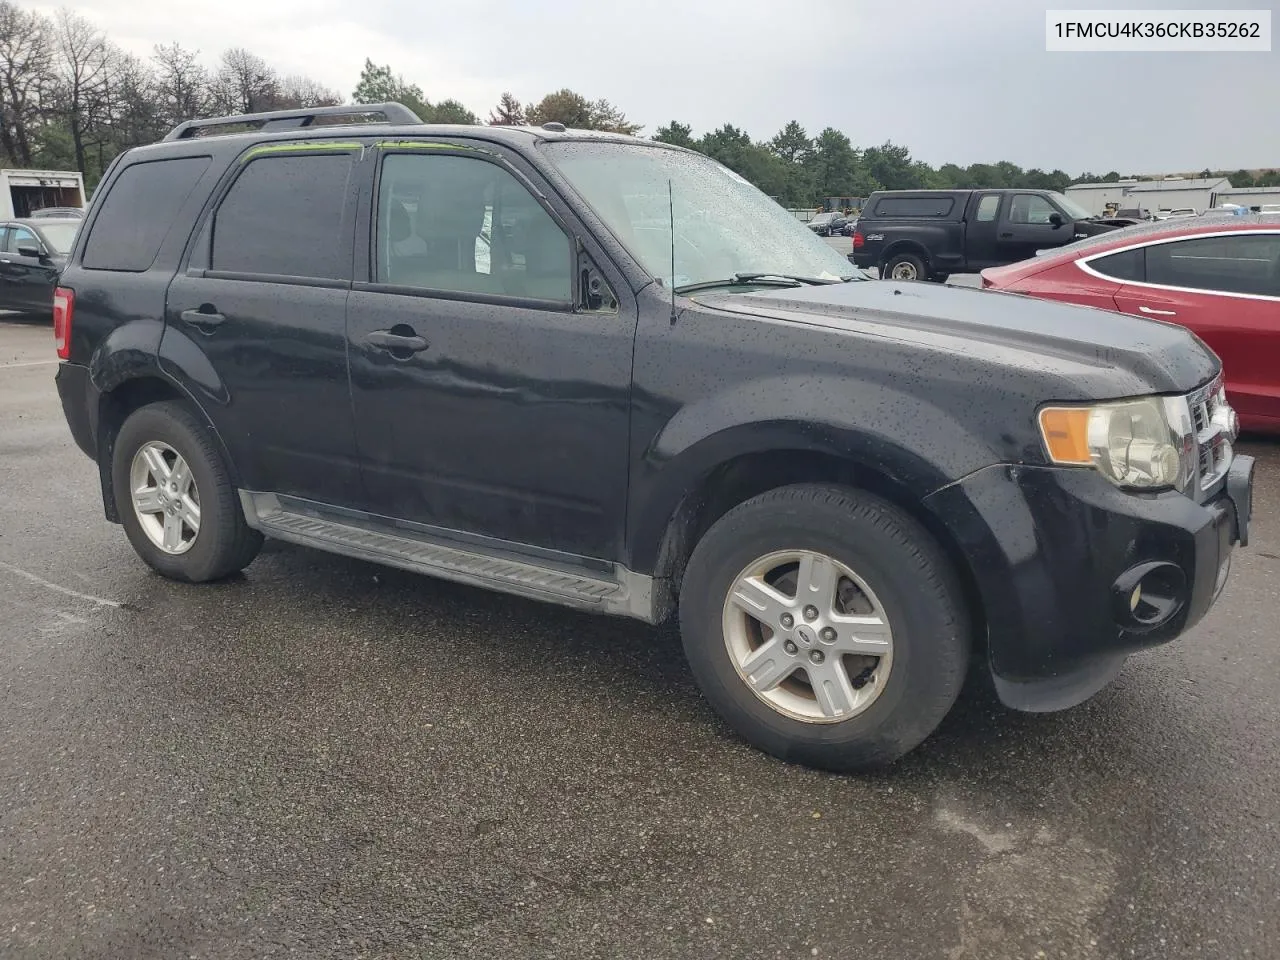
x=1027 y=225
x=259 y=319
x=28 y=280
x=487 y=400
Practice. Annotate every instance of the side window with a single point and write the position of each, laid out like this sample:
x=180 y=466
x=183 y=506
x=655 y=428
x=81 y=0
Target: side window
x=283 y=218
x=988 y=207
x=1128 y=265
x=22 y=237
x=464 y=225
x=1235 y=263
x=1029 y=208
x=136 y=215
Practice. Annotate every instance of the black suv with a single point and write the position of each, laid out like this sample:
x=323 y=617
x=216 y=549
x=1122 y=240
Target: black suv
x=609 y=373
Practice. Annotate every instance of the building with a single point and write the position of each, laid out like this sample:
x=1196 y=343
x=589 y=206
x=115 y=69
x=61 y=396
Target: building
x=1249 y=196
x=1094 y=197
x=1169 y=193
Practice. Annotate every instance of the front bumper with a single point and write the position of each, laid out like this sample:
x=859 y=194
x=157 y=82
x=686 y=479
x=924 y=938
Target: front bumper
x=1049 y=549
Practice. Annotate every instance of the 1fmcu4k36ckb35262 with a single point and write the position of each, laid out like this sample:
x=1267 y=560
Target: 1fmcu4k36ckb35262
x=609 y=373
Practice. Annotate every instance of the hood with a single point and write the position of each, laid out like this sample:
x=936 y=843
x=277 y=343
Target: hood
x=1165 y=357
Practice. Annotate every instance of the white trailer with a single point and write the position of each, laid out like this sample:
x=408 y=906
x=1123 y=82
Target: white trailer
x=23 y=192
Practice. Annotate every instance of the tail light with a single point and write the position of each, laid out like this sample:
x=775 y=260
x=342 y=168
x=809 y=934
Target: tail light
x=64 y=303
x=987 y=282
x=858 y=240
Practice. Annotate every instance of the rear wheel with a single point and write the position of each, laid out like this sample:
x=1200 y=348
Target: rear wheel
x=175 y=497
x=825 y=626
x=905 y=266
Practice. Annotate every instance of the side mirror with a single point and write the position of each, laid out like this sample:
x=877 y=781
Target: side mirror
x=1056 y=219
x=32 y=252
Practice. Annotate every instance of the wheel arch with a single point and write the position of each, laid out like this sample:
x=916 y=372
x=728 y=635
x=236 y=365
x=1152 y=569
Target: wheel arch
x=720 y=487
x=115 y=405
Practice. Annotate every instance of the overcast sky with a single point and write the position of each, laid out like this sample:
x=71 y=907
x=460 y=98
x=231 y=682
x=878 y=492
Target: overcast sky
x=954 y=80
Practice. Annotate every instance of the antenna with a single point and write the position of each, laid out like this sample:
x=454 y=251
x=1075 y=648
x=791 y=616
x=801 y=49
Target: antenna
x=671 y=209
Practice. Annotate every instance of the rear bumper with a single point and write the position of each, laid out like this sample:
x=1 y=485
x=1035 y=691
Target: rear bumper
x=1056 y=554
x=79 y=405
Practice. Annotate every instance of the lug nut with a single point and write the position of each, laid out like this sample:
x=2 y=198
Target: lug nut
x=789 y=647
x=811 y=613
x=817 y=656
x=828 y=635
x=788 y=620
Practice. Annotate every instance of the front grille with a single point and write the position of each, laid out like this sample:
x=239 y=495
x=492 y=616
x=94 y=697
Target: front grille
x=1212 y=441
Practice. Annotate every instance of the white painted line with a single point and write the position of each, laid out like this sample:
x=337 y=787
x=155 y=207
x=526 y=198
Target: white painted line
x=40 y=581
x=28 y=363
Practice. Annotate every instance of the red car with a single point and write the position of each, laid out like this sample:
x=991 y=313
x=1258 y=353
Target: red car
x=1218 y=276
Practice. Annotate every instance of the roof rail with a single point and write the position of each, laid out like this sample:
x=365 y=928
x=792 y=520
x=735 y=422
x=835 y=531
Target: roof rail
x=294 y=119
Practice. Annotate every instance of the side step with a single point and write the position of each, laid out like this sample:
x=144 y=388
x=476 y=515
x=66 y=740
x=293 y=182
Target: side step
x=628 y=595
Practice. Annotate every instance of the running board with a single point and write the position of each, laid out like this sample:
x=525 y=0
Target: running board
x=629 y=594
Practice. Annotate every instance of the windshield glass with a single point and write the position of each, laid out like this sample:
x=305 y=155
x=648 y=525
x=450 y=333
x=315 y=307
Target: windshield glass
x=723 y=225
x=1070 y=207
x=59 y=236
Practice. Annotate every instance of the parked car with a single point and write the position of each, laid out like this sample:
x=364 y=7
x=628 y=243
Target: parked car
x=1179 y=213
x=930 y=234
x=847 y=493
x=824 y=224
x=1219 y=277
x=32 y=252
x=59 y=213
x=850 y=226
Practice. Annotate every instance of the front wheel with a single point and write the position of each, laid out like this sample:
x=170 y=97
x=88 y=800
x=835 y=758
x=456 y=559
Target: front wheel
x=175 y=497
x=825 y=625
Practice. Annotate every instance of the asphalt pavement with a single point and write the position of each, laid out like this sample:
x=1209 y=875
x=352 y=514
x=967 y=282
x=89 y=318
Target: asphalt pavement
x=324 y=758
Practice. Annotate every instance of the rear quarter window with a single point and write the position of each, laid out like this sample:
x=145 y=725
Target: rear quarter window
x=138 y=211
x=1128 y=265
x=915 y=206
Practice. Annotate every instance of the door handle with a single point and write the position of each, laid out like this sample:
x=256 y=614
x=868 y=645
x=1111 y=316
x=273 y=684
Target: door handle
x=1158 y=313
x=203 y=320
x=1005 y=236
x=395 y=342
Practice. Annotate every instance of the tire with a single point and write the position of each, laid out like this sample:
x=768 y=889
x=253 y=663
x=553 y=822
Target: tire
x=910 y=266
x=223 y=543
x=909 y=578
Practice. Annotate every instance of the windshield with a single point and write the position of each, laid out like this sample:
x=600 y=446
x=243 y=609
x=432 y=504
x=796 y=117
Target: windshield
x=1070 y=207
x=723 y=225
x=59 y=237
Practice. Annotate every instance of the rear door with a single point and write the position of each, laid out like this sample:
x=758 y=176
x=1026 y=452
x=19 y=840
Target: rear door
x=1225 y=288
x=260 y=313
x=981 y=248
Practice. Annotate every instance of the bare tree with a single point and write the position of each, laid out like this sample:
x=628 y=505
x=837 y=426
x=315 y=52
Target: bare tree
x=130 y=112
x=25 y=75
x=297 y=91
x=83 y=59
x=181 y=85
x=244 y=83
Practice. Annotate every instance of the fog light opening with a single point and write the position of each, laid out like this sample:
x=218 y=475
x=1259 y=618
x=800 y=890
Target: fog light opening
x=1149 y=595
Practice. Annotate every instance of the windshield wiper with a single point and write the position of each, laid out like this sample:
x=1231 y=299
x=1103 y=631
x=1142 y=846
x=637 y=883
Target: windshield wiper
x=772 y=279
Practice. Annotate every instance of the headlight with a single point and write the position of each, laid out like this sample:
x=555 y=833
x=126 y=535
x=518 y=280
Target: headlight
x=1132 y=443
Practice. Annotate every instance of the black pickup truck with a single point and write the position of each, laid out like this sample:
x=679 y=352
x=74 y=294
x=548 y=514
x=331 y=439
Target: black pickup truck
x=931 y=234
x=467 y=352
